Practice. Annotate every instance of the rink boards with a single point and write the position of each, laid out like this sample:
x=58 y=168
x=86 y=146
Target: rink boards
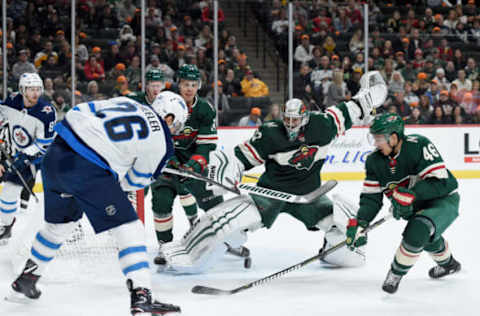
x=459 y=146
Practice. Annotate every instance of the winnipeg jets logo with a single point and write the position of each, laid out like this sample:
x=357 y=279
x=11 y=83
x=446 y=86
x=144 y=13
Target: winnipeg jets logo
x=303 y=158
x=47 y=109
x=21 y=137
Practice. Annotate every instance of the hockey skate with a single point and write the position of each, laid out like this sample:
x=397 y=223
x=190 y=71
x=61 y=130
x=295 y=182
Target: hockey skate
x=6 y=232
x=141 y=302
x=390 y=285
x=438 y=271
x=24 y=287
x=242 y=252
x=160 y=258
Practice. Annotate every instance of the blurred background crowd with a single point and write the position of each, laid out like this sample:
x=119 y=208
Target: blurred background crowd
x=426 y=50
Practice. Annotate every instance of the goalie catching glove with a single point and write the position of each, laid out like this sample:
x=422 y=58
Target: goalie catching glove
x=372 y=94
x=224 y=169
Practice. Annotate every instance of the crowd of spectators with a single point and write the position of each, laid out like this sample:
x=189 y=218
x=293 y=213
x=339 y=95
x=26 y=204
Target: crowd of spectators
x=427 y=52
x=108 y=48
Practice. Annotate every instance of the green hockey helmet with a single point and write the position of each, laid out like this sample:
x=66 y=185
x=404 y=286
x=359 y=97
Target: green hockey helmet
x=189 y=72
x=154 y=75
x=387 y=124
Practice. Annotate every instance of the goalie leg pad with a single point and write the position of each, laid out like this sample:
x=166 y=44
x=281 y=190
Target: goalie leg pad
x=204 y=244
x=343 y=210
x=342 y=257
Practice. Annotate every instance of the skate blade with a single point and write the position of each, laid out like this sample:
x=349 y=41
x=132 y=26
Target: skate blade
x=19 y=298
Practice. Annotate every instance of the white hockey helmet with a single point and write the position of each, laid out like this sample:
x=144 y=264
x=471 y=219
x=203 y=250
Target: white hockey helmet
x=295 y=116
x=29 y=80
x=169 y=103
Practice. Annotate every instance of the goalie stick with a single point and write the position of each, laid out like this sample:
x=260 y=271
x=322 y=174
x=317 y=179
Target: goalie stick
x=269 y=193
x=9 y=161
x=200 y=289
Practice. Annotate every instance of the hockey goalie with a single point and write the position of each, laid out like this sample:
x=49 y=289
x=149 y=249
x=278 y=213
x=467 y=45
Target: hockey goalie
x=293 y=151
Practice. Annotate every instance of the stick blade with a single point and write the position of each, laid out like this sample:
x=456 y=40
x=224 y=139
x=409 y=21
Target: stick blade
x=200 y=289
x=323 y=189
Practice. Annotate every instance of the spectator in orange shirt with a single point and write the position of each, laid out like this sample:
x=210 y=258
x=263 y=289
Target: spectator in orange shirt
x=93 y=70
x=253 y=87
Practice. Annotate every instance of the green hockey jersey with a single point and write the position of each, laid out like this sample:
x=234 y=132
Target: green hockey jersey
x=418 y=166
x=294 y=166
x=199 y=136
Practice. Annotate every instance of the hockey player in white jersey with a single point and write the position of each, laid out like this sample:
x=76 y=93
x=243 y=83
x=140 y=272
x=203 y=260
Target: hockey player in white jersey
x=27 y=121
x=104 y=148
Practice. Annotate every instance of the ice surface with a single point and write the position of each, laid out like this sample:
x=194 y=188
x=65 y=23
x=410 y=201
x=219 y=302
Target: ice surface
x=313 y=290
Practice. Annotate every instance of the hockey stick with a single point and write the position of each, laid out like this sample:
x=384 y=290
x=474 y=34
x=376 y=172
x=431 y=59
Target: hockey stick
x=251 y=177
x=199 y=289
x=10 y=164
x=269 y=193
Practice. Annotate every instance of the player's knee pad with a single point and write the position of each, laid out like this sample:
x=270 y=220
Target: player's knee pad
x=342 y=257
x=128 y=234
x=205 y=242
x=418 y=231
x=59 y=232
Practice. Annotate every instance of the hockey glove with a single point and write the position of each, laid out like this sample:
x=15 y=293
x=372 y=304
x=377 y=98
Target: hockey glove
x=26 y=165
x=196 y=163
x=174 y=163
x=402 y=202
x=355 y=238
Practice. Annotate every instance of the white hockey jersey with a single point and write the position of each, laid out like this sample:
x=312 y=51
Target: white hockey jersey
x=120 y=135
x=30 y=130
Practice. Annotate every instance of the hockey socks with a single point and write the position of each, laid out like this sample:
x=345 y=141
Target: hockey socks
x=132 y=253
x=48 y=241
x=8 y=202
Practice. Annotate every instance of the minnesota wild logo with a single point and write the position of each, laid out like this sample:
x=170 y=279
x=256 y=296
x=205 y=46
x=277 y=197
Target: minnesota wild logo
x=187 y=131
x=303 y=158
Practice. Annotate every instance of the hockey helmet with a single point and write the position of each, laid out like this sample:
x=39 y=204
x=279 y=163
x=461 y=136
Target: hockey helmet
x=29 y=80
x=189 y=72
x=295 y=116
x=387 y=124
x=154 y=75
x=168 y=103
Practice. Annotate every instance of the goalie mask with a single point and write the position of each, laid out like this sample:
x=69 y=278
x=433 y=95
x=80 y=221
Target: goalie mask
x=172 y=109
x=295 y=116
x=28 y=80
